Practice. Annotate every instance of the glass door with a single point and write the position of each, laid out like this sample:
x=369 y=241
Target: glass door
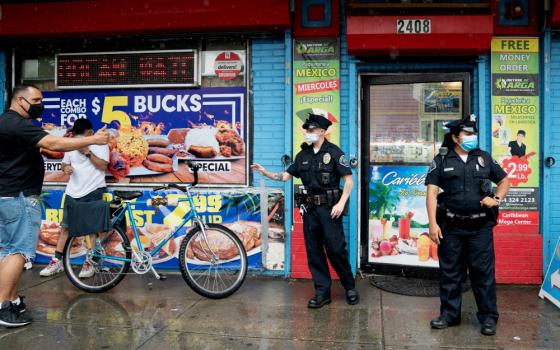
x=403 y=126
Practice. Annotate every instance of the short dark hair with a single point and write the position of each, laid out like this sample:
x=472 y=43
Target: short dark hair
x=81 y=125
x=21 y=88
x=521 y=132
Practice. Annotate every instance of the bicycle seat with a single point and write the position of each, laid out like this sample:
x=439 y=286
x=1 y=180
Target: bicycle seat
x=128 y=195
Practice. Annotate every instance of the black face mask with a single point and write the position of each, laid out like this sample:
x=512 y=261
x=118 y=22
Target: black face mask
x=35 y=110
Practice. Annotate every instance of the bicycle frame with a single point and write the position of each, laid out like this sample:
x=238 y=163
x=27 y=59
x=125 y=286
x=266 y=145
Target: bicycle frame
x=126 y=208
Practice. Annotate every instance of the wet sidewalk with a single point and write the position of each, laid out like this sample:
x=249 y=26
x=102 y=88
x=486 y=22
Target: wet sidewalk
x=266 y=313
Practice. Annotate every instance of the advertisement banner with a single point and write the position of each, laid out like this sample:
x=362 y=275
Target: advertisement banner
x=238 y=210
x=155 y=132
x=515 y=127
x=316 y=79
x=551 y=286
x=398 y=220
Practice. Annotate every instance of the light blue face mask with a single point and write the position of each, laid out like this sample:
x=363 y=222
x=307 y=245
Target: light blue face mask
x=469 y=143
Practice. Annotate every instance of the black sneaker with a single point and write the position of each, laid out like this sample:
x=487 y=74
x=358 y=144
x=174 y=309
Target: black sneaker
x=10 y=318
x=21 y=307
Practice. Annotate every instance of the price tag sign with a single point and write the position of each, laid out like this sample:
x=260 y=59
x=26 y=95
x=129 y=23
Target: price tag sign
x=518 y=170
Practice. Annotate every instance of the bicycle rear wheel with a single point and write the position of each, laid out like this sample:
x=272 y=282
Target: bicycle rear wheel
x=106 y=271
x=213 y=264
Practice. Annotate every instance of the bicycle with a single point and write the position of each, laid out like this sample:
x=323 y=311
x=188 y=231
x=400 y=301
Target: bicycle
x=213 y=260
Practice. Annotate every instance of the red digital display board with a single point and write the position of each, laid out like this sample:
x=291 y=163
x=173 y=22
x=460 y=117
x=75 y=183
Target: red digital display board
x=174 y=68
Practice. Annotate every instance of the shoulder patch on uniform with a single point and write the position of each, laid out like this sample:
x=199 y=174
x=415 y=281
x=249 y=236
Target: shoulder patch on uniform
x=433 y=166
x=342 y=161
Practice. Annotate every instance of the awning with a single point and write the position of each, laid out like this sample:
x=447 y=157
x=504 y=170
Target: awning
x=555 y=15
x=449 y=35
x=116 y=17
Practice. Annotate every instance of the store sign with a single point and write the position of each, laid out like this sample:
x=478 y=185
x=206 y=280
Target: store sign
x=170 y=68
x=397 y=217
x=515 y=128
x=228 y=65
x=238 y=210
x=316 y=86
x=551 y=286
x=155 y=132
x=414 y=26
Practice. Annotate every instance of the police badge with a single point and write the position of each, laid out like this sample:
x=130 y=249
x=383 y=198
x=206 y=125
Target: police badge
x=481 y=161
x=327 y=158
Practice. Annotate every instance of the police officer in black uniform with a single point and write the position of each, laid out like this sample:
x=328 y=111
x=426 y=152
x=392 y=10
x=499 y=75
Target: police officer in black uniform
x=462 y=211
x=321 y=165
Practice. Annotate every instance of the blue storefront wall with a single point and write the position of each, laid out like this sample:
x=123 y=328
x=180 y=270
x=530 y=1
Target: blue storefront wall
x=2 y=80
x=550 y=216
x=271 y=91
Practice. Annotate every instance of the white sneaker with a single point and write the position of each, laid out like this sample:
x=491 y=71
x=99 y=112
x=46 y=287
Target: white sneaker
x=87 y=270
x=54 y=267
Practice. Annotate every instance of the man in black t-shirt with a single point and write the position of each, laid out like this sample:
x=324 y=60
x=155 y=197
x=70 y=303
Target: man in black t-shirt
x=517 y=147
x=21 y=179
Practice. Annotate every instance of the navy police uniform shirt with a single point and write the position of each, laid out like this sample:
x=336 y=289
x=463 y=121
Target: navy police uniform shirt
x=320 y=171
x=464 y=185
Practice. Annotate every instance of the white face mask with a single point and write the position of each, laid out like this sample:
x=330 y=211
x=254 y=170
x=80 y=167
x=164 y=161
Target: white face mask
x=311 y=138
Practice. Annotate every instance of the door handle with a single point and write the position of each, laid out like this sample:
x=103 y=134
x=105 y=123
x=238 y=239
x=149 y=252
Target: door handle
x=354 y=162
x=550 y=161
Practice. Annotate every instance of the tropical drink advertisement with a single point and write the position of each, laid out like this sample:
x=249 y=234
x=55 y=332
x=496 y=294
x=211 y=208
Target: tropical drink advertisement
x=397 y=217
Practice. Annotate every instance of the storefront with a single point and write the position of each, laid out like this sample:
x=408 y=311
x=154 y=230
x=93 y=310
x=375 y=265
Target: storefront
x=413 y=68
x=388 y=74
x=169 y=79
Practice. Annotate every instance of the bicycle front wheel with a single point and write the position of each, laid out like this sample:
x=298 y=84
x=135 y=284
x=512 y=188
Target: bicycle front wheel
x=213 y=261
x=100 y=268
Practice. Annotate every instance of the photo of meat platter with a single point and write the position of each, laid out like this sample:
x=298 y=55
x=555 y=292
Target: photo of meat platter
x=153 y=234
x=219 y=142
x=133 y=153
x=48 y=237
x=249 y=233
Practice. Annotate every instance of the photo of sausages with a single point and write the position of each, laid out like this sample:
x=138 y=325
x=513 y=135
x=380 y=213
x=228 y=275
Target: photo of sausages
x=159 y=158
x=158 y=167
x=158 y=143
x=161 y=150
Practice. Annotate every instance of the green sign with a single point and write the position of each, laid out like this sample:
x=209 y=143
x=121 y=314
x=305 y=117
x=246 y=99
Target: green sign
x=316 y=79
x=515 y=127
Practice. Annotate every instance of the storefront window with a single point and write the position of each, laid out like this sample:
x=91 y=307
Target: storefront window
x=179 y=101
x=407 y=120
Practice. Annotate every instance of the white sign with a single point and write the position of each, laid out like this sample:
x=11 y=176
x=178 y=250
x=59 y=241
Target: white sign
x=551 y=286
x=414 y=26
x=209 y=60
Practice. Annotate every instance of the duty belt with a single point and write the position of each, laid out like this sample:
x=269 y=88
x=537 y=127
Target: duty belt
x=473 y=218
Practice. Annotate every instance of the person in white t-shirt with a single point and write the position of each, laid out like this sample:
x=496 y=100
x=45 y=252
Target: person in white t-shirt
x=86 y=168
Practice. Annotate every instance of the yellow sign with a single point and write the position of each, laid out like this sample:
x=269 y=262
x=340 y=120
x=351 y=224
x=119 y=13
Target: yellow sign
x=515 y=45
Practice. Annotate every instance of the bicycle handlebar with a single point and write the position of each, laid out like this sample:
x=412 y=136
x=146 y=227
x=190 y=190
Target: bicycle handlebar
x=194 y=168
